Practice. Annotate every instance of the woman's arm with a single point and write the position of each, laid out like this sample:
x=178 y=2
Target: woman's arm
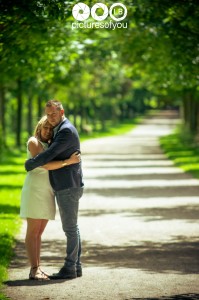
x=75 y=158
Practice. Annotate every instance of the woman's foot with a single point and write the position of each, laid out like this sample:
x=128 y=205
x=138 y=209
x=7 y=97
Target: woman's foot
x=46 y=274
x=37 y=274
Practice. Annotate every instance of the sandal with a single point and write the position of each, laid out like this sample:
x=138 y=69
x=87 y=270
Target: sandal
x=46 y=274
x=38 y=274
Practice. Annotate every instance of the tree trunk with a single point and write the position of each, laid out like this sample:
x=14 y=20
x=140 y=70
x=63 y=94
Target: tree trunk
x=19 y=113
x=81 y=113
x=29 y=121
x=190 y=112
x=102 y=118
x=186 y=111
x=39 y=106
x=197 y=117
x=193 y=115
x=2 y=119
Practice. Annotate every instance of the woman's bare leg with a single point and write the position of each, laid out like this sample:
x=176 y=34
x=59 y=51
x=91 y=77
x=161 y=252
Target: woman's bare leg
x=34 y=231
x=41 y=230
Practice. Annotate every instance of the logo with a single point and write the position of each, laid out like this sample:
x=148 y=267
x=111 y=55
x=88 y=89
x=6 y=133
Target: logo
x=98 y=6
x=81 y=11
x=120 y=11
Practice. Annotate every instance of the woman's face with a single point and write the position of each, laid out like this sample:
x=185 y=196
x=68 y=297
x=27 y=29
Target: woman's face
x=46 y=132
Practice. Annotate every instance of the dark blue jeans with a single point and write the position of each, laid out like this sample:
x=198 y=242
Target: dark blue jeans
x=68 y=203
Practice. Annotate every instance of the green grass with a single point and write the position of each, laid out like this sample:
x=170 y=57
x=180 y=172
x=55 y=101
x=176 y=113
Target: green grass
x=183 y=150
x=12 y=174
x=112 y=129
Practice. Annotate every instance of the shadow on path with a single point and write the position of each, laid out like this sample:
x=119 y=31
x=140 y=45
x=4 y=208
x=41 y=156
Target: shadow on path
x=174 y=297
x=187 y=213
x=178 y=256
x=27 y=282
x=145 y=192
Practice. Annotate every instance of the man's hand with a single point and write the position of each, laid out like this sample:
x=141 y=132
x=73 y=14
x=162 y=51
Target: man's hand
x=75 y=158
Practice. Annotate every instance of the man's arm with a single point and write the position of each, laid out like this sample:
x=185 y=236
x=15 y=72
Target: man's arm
x=61 y=144
x=75 y=158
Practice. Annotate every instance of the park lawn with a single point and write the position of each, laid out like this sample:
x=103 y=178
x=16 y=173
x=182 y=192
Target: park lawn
x=183 y=151
x=12 y=174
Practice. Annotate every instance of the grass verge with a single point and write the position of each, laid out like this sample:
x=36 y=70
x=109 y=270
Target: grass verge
x=112 y=129
x=12 y=175
x=183 y=150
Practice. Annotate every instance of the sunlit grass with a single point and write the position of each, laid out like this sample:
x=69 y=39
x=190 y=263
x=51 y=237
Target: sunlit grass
x=112 y=129
x=12 y=174
x=183 y=150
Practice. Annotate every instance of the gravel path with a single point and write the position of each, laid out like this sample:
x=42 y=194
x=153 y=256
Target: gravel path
x=139 y=225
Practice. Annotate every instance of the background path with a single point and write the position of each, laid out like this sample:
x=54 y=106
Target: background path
x=139 y=225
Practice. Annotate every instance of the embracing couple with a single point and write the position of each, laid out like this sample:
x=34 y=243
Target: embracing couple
x=54 y=170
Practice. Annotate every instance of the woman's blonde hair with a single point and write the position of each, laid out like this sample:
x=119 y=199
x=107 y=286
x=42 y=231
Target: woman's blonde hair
x=42 y=122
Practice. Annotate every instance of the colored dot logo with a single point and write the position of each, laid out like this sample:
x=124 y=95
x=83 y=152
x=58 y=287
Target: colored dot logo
x=99 y=6
x=117 y=11
x=81 y=11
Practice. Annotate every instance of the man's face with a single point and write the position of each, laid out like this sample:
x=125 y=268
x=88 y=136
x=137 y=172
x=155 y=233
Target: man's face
x=54 y=115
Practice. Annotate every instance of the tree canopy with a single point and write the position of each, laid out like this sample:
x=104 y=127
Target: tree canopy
x=149 y=59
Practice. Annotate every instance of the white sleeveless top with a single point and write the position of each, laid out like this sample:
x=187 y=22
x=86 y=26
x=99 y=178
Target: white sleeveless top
x=37 y=196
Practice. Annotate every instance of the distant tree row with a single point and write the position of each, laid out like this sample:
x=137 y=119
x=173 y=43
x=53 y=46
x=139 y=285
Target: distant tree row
x=98 y=74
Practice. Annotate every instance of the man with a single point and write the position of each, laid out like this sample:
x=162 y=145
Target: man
x=67 y=183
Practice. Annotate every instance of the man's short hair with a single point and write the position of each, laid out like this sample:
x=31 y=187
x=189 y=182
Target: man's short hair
x=55 y=103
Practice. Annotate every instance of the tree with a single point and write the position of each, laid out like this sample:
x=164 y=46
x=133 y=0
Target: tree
x=164 y=39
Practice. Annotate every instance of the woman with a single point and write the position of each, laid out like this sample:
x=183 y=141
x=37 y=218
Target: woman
x=37 y=197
